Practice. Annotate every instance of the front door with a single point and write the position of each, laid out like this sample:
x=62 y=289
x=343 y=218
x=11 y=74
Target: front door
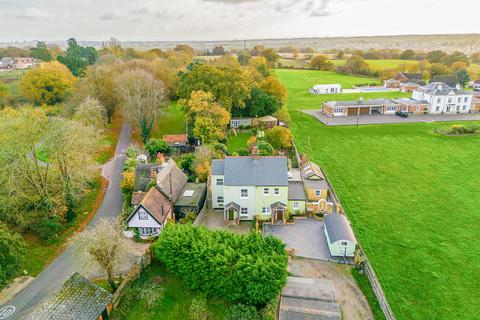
x=279 y=215
x=231 y=214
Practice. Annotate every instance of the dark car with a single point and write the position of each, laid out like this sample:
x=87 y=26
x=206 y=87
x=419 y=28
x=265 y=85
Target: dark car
x=402 y=113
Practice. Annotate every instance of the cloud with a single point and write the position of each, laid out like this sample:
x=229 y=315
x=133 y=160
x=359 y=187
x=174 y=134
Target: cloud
x=109 y=16
x=29 y=14
x=321 y=10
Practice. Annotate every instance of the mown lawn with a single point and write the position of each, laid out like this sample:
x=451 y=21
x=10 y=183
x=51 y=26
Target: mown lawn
x=382 y=64
x=412 y=197
x=171 y=121
x=174 y=299
x=235 y=143
x=299 y=81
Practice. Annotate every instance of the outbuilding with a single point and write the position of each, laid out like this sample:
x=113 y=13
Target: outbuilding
x=340 y=238
x=240 y=122
x=326 y=89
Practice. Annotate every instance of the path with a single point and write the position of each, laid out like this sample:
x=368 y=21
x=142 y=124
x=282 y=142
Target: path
x=387 y=119
x=50 y=279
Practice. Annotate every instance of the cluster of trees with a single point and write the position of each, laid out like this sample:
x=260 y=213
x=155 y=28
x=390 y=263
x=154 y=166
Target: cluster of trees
x=210 y=94
x=253 y=268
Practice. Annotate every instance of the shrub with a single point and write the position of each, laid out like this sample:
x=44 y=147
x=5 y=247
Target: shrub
x=186 y=162
x=49 y=228
x=242 y=312
x=154 y=146
x=12 y=249
x=249 y=269
x=243 y=152
x=458 y=129
x=202 y=171
x=265 y=148
x=199 y=310
x=279 y=137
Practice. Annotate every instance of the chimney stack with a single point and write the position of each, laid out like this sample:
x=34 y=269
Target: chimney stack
x=255 y=153
x=153 y=173
x=160 y=158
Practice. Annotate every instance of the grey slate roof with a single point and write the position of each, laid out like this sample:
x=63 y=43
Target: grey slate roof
x=143 y=176
x=296 y=191
x=338 y=227
x=247 y=171
x=170 y=179
x=440 y=88
x=78 y=299
x=410 y=101
x=360 y=103
x=217 y=167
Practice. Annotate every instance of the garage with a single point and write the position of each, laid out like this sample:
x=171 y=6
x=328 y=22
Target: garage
x=354 y=111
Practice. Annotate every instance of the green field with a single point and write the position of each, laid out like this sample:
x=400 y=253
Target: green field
x=12 y=81
x=412 y=196
x=381 y=64
x=299 y=81
x=235 y=143
x=171 y=121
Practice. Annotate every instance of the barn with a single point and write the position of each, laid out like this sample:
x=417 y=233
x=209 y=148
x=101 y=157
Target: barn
x=326 y=89
x=340 y=238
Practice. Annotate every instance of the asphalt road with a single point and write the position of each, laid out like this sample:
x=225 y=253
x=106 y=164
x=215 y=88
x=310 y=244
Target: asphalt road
x=50 y=279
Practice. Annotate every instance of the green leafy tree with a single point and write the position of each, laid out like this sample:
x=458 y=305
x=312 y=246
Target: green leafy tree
x=437 y=69
x=437 y=56
x=462 y=77
x=48 y=84
x=12 y=250
x=243 y=58
x=260 y=104
x=408 y=54
x=253 y=268
x=4 y=93
x=154 y=146
x=279 y=137
x=41 y=52
x=322 y=62
x=77 y=58
x=357 y=65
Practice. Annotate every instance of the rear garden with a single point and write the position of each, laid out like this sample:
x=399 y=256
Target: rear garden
x=411 y=194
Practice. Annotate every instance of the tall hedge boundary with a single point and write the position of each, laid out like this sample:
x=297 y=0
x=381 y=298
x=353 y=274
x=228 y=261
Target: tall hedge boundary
x=249 y=269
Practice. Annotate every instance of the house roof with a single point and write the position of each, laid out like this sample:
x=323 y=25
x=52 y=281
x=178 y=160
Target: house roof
x=338 y=228
x=170 y=179
x=278 y=204
x=296 y=191
x=77 y=299
x=137 y=197
x=448 y=80
x=232 y=205
x=143 y=175
x=156 y=204
x=191 y=195
x=440 y=88
x=410 y=101
x=361 y=103
x=217 y=167
x=175 y=138
x=410 y=75
x=311 y=170
x=267 y=119
x=294 y=174
x=248 y=171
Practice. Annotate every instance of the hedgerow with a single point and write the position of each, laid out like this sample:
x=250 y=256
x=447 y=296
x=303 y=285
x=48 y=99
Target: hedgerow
x=249 y=269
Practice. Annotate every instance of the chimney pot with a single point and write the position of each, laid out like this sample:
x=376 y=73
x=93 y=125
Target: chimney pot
x=255 y=153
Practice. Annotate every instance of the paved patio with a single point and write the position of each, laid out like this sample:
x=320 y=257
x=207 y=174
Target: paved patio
x=306 y=237
x=388 y=119
x=214 y=220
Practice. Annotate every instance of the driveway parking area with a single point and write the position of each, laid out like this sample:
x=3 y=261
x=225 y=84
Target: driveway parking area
x=386 y=119
x=306 y=237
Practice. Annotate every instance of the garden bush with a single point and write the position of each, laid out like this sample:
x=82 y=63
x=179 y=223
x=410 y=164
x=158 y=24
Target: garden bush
x=249 y=269
x=242 y=312
x=12 y=249
x=154 y=146
x=49 y=228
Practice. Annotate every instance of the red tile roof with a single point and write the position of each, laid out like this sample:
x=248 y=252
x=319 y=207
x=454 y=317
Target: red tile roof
x=175 y=138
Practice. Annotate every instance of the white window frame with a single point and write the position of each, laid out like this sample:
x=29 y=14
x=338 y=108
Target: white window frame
x=344 y=243
x=390 y=108
x=219 y=181
x=235 y=123
x=276 y=191
x=337 y=110
x=244 y=211
x=318 y=192
x=243 y=193
x=266 y=191
x=266 y=210
x=296 y=205
x=220 y=199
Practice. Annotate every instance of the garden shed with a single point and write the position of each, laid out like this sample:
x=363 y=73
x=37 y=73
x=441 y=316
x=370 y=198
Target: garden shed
x=340 y=238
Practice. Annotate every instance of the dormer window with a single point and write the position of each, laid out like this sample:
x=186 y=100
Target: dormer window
x=142 y=215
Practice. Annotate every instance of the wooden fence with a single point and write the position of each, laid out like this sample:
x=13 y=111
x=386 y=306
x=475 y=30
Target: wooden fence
x=201 y=215
x=370 y=273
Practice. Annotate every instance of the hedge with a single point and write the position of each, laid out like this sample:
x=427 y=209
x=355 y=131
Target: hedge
x=249 y=269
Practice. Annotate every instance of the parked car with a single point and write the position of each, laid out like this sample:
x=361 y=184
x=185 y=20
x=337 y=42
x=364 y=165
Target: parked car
x=402 y=113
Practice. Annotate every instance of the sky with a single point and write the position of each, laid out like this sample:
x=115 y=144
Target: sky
x=177 y=20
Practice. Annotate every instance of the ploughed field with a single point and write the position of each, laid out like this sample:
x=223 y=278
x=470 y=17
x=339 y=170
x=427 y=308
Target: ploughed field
x=412 y=196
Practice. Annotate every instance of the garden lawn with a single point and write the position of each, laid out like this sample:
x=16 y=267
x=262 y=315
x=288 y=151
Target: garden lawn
x=174 y=304
x=299 y=81
x=382 y=64
x=171 y=121
x=238 y=142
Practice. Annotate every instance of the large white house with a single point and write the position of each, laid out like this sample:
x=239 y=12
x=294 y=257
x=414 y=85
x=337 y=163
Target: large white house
x=246 y=187
x=326 y=89
x=444 y=99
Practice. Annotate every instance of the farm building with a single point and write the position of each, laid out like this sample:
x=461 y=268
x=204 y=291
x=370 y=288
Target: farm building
x=409 y=87
x=191 y=199
x=359 y=107
x=176 y=140
x=240 y=122
x=78 y=298
x=326 y=89
x=340 y=238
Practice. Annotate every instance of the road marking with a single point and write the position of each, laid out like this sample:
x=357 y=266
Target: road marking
x=6 y=312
